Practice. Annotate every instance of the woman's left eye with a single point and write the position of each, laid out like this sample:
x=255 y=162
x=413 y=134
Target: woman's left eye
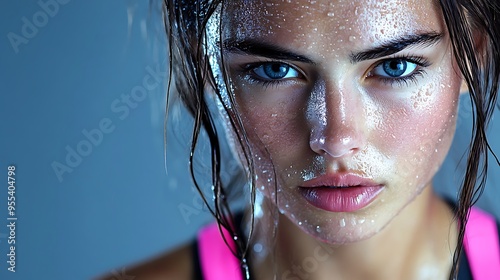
x=275 y=71
x=395 y=68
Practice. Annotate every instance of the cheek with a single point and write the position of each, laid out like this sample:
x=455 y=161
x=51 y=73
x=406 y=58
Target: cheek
x=276 y=125
x=421 y=129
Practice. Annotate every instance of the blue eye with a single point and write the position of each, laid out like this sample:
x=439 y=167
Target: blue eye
x=395 y=68
x=275 y=71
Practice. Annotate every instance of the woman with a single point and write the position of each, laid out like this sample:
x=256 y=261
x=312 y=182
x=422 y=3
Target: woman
x=341 y=113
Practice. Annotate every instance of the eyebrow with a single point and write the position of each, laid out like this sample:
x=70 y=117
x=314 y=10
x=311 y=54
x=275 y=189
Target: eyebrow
x=397 y=45
x=264 y=49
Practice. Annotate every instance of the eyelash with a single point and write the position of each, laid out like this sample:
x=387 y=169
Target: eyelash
x=406 y=80
x=421 y=63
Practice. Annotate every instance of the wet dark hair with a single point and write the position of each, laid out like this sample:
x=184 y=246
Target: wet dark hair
x=474 y=30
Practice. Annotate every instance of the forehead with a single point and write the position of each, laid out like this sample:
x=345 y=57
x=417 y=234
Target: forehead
x=329 y=23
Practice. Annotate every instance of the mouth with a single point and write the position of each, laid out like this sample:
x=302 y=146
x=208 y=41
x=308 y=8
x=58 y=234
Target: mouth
x=340 y=192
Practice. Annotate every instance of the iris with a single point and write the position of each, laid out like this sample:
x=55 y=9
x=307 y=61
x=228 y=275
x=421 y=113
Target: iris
x=395 y=67
x=274 y=70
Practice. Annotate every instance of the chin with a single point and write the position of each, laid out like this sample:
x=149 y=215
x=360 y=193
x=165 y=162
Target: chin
x=346 y=228
x=337 y=228
x=347 y=236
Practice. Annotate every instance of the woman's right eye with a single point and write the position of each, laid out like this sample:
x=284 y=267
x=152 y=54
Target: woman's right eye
x=275 y=71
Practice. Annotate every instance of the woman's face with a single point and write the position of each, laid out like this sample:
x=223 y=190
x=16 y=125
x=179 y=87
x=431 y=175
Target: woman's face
x=353 y=102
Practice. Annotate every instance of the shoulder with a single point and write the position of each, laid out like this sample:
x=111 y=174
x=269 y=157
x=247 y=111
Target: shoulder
x=176 y=265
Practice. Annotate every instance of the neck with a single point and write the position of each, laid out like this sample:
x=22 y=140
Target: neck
x=417 y=244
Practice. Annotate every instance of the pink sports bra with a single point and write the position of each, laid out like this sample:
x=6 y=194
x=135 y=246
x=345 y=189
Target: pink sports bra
x=481 y=247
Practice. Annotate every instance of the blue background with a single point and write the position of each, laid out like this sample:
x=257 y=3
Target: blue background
x=118 y=206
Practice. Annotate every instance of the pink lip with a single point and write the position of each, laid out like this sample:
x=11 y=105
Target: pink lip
x=346 y=192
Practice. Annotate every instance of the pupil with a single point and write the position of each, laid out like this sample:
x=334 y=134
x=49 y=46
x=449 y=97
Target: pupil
x=395 y=68
x=276 y=70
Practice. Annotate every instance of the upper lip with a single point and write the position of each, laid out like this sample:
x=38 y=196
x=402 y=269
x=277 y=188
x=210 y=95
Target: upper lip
x=340 y=180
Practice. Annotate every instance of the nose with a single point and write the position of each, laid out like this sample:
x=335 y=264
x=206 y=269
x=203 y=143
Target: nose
x=337 y=119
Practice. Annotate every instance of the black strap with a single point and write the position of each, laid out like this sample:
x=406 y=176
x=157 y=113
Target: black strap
x=196 y=262
x=464 y=272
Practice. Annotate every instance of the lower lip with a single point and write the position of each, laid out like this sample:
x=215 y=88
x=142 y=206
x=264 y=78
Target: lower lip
x=345 y=199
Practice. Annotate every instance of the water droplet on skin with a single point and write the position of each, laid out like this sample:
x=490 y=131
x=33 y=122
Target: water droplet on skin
x=342 y=27
x=235 y=238
x=352 y=38
x=286 y=206
x=331 y=14
x=262 y=188
x=318 y=229
x=342 y=222
x=274 y=115
x=257 y=247
x=300 y=223
x=361 y=221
